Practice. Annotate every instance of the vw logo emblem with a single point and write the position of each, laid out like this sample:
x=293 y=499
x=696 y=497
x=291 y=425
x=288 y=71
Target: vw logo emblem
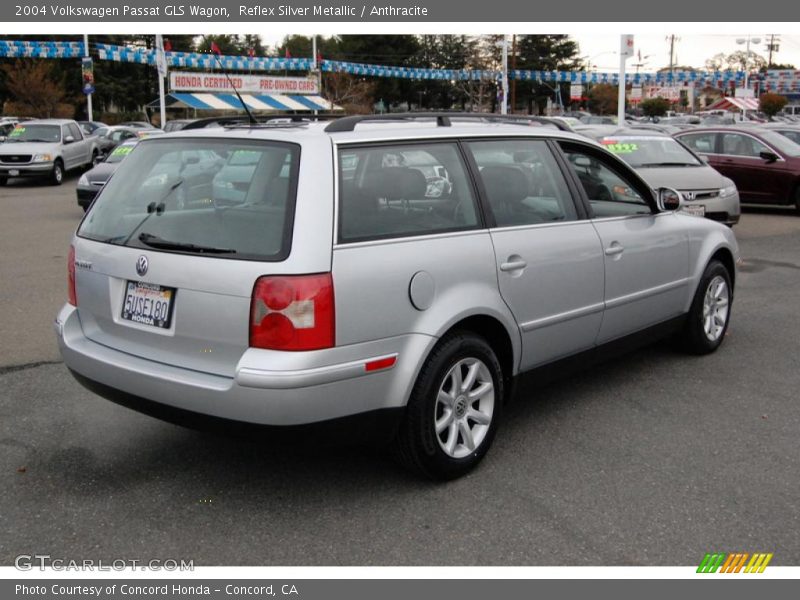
x=141 y=266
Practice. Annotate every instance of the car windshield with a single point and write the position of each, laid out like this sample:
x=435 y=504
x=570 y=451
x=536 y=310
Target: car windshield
x=781 y=143
x=35 y=133
x=650 y=151
x=178 y=195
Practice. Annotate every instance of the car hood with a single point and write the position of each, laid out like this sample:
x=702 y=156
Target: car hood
x=29 y=147
x=682 y=178
x=102 y=172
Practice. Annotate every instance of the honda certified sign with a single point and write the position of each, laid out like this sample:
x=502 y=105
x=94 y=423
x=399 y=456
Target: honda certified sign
x=252 y=84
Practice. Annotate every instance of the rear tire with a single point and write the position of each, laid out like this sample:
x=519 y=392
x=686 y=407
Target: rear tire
x=454 y=409
x=57 y=174
x=709 y=316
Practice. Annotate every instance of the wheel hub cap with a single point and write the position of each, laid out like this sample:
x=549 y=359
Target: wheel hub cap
x=461 y=407
x=716 y=305
x=464 y=407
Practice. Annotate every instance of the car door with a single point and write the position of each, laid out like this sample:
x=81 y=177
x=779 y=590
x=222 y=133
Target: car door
x=549 y=257
x=69 y=151
x=646 y=252
x=740 y=159
x=83 y=149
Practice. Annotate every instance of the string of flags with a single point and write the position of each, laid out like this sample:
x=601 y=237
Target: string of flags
x=774 y=80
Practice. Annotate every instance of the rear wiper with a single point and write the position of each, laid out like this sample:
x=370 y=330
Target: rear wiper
x=156 y=242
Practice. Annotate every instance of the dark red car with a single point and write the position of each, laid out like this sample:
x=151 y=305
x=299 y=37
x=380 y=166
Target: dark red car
x=764 y=164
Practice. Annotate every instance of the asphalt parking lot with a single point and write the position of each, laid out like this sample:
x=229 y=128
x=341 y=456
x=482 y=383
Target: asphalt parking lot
x=653 y=459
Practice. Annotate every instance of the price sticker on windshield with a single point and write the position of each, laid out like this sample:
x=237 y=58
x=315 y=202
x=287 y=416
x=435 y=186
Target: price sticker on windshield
x=122 y=150
x=620 y=147
x=18 y=131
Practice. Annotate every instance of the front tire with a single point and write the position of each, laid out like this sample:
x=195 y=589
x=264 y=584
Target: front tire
x=57 y=174
x=708 y=318
x=454 y=409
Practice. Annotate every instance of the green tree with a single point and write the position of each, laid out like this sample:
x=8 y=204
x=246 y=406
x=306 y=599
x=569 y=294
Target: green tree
x=35 y=90
x=603 y=98
x=544 y=53
x=771 y=104
x=655 y=107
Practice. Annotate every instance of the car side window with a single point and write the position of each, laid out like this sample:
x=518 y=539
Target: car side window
x=702 y=143
x=522 y=182
x=791 y=134
x=403 y=190
x=75 y=131
x=610 y=193
x=737 y=144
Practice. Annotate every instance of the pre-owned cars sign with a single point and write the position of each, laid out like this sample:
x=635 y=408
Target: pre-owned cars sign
x=252 y=84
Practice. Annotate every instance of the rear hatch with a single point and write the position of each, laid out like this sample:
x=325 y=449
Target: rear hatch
x=167 y=257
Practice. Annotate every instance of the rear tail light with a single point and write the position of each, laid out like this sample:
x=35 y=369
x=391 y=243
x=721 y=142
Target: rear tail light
x=72 y=298
x=292 y=312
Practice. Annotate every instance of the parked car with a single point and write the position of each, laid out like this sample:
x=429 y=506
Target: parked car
x=764 y=165
x=662 y=162
x=91 y=182
x=46 y=148
x=177 y=124
x=138 y=124
x=6 y=127
x=89 y=127
x=598 y=120
x=317 y=300
x=109 y=138
x=786 y=129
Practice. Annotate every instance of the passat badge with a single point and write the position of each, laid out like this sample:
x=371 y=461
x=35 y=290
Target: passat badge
x=141 y=266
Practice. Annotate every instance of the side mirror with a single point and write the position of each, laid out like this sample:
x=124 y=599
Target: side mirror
x=768 y=156
x=69 y=139
x=669 y=199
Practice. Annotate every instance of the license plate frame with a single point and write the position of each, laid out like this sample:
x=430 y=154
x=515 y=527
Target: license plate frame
x=13 y=172
x=696 y=210
x=146 y=304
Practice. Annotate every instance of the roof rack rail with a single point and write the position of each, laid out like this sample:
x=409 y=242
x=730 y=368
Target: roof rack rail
x=244 y=120
x=443 y=119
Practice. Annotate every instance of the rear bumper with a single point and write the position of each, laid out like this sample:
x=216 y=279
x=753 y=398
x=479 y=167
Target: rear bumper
x=266 y=389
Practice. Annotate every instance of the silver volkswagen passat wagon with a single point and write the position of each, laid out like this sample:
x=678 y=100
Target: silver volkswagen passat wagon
x=397 y=273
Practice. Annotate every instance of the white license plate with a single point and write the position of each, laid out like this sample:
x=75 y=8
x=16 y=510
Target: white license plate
x=698 y=210
x=13 y=172
x=148 y=304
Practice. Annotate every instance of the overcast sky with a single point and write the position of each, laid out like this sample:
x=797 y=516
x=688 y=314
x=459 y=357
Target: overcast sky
x=691 y=49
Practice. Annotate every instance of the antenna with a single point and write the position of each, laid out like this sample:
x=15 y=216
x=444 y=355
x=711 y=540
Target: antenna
x=215 y=52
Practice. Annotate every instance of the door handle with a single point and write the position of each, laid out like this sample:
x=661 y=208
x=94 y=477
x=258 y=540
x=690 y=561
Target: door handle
x=513 y=265
x=614 y=249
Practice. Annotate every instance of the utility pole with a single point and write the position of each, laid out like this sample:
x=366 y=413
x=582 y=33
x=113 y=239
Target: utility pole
x=89 y=113
x=513 y=68
x=772 y=46
x=504 y=82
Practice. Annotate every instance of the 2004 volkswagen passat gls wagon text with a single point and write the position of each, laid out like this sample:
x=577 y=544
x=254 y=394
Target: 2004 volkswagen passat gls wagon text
x=396 y=273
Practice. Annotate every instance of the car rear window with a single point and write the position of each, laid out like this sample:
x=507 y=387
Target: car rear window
x=199 y=196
